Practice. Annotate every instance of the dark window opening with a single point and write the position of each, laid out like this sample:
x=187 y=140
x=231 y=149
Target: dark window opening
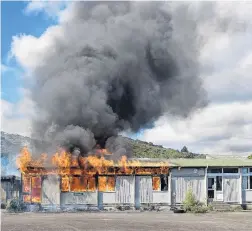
x=250 y=169
x=210 y=183
x=214 y=170
x=210 y=194
x=230 y=170
x=164 y=183
x=218 y=183
x=250 y=182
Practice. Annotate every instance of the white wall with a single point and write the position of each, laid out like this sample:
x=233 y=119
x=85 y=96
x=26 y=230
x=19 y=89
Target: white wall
x=108 y=197
x=161 y=197
x=84 y=198
x=125 y=190
x=180 y=186
x=51 y=191
x=247 y=196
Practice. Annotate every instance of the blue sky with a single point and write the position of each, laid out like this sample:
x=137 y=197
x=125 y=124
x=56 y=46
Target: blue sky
x=14 y=22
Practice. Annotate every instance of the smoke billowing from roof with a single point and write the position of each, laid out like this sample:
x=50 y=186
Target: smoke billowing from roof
x=116 y=67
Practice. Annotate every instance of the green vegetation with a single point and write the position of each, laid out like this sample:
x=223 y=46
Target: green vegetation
x=190 y=204
x=143 y=149
x=15 y=206
x=250 y=157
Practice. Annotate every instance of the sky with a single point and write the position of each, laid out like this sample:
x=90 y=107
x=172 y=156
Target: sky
x=224 y=126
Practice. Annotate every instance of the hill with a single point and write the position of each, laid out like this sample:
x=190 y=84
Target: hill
x=11 y=144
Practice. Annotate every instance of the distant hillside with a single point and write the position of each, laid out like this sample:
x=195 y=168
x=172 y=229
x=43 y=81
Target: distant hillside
x=12 y=143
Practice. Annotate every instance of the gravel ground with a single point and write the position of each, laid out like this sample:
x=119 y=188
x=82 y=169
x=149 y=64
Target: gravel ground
x=124 y=221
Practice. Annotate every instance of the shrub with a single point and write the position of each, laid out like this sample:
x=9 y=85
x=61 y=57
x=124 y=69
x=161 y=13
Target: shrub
x=190 y=204
x=16 y=206
x=3 y=206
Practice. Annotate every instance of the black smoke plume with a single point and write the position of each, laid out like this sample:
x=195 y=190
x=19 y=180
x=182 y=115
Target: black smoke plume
x=113 y=67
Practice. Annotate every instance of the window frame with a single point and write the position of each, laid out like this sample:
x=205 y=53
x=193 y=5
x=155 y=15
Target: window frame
x=107 y=191
x=160 y=184
x=246 y=172
x=70 y=182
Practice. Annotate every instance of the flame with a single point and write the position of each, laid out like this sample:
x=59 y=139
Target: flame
x=65 y=184
x=25 y=159
x=78 y=174
x=156 y=183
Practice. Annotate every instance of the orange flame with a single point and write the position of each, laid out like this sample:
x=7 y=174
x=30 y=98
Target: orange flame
x=78 y=173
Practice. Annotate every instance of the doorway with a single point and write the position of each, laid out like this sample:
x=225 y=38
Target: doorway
x=214 y=188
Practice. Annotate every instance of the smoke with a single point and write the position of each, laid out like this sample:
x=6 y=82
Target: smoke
x=117 y=66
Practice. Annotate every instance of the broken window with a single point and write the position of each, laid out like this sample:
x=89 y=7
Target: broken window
x=27 y=184
x=106 y=183
x=160 y=183
x=36 y=189
x=77 y=184
x=26 y=189
x=156 y=183
x=91 y=184
x=82 y=184
x=164 y=183
x=65 y=184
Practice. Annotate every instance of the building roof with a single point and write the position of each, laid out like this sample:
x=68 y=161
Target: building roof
x=224 y=162
x=9 y=177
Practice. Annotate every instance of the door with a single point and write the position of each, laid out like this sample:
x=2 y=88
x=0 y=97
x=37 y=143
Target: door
x=215 y=188
x=231 y=189
x=125 y=190
x=143 y=187
x=211 y=189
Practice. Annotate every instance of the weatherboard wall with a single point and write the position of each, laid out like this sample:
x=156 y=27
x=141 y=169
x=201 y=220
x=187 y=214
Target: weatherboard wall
x=50 y=191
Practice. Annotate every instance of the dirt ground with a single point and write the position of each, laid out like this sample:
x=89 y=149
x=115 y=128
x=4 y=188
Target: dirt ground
x=124 y=221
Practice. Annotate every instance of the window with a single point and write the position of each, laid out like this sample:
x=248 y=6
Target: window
x=31 y=189
x=164 y=183
x=247 y=182
x=65 y=186
x=250 y=169
x=156 y=183
x=210 y=183
x=26 y=184
x=160 y=183
x=214 y=170
x=106 y=183
x=78 y=184
x=230 y=170
x=218 y=183
x=36 y=189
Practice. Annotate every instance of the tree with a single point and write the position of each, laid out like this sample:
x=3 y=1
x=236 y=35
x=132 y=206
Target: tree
x=250 y=157
x=184 y=149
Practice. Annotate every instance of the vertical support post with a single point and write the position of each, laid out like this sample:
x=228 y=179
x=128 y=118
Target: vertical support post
x=241 y=196
x=21 y=188
x=170 y=187
x=206 y=185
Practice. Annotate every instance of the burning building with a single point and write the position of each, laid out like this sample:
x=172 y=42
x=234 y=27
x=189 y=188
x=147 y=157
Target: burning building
x=137 y=64
x=73 y=181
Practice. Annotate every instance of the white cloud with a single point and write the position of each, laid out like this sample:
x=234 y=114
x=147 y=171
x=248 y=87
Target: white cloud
x=225 y=126
x=50 y=8
x=219 y=128
x=16 y=118
x=30 y=51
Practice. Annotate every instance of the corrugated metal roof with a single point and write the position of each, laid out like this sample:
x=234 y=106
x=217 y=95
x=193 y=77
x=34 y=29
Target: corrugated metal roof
x=225 y=162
